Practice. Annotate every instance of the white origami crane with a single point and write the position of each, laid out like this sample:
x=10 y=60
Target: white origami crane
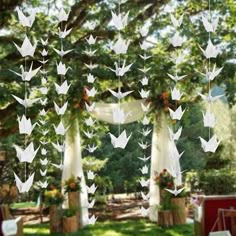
x=44 y=42
x=145 y=197
x=120 y=71
x=43 y=90
x=211 y=145
x=119 y=116
x=145 y=57
x=144 y=70
x=43 y=184
x=143 y=182
x=176 y=40
x=89 y=134
x=60 y=110
x=144 y=94
x=121 y=46
x=208 y=98
x=62 y=15
x=91 y=40
x=24 y=187
x=176 y=94
x=61 y=69
x=91 y=107
x=44 y=81
x=176 y=135
x=60 y=166
x=177 y=114
x=63 y=88
x=44 y=132
x=43 y=61
x=26 y=102
x=26 y=21
x=176 y=191
x=176 y=78
x=144 y=170
x=27 y=75
x=44 y=142
x=90 y=52
x=92 y=92
x=90 y=78
x=91 y=175
x=63 y=34
x=119 y=94
x=145 y=45
x=145 y=108
x=44 y=151
x=91 y=189
x=144 y=158
x=210 y=75
x=177 y=156
x=44 y=72
x=145 y=121
x=26 y=155
x=89 y=121
x=42 y=122
x=121 y=141
x=146 y=132
x=144 y=211
x=92 y=220
x=178 y=59
x=44 y=162
x=211 y=51
x=91 y=66
x=43 y=173
x=120 y=21
x=209 y=119
x=61 y=52
x=25 y=125
x=176 y=22
x=92 y=148
x=60 y=129
x=59 y=147
x=144 y=31
x=144 y=81
x=210 y=27
x=91 y=204
x=90 y=25
x=27 y=49
x=43 y=101
x=44 y=53
x=143 y=145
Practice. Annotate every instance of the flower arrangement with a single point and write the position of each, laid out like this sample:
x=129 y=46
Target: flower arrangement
x=164 y=179
x=72 y=184
x=53 y=197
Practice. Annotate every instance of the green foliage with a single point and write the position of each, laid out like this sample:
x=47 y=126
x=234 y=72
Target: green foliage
x=68 y=212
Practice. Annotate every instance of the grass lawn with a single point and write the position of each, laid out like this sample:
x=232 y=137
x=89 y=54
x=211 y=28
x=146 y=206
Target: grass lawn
x=117 y=228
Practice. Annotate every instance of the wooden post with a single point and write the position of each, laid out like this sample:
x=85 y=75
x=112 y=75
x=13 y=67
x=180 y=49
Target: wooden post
x=70 y=224
x=165 y=218
x=55 y=219
x=178 y=210
x=74 y=203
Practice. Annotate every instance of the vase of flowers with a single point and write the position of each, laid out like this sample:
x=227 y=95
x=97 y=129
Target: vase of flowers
x=164 y=180
x=69 y=221
x=54 y=199
x=73 y=188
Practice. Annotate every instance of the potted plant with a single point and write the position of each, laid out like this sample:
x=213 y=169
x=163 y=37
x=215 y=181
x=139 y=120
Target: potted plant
x=54 y=199
x=72 y=187
x=178 y=204
x=69 y=221
x=164 y=180
x=165 y=217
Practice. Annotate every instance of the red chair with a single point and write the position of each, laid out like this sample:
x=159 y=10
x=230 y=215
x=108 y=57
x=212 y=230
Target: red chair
x=207 y=213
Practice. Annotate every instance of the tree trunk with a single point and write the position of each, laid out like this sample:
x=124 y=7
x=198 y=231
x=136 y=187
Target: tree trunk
x=74 y=203
x=165 y=218
x=179 y=211
x=70 y=224
x=55 y=219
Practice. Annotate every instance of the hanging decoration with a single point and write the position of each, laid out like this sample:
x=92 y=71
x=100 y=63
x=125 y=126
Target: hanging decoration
x=211 y=73
x=27 y=153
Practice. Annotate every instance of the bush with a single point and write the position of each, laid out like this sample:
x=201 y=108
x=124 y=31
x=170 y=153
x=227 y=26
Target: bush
x=213 y=182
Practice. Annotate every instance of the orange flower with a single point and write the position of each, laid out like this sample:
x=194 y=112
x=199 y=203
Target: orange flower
x=72 y=185
x=52 y=186
x=165 y=94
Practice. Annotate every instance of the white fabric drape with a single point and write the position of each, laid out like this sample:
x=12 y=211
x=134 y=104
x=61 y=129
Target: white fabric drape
x=163 y=152
x=73 y=166
x=104 y=111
